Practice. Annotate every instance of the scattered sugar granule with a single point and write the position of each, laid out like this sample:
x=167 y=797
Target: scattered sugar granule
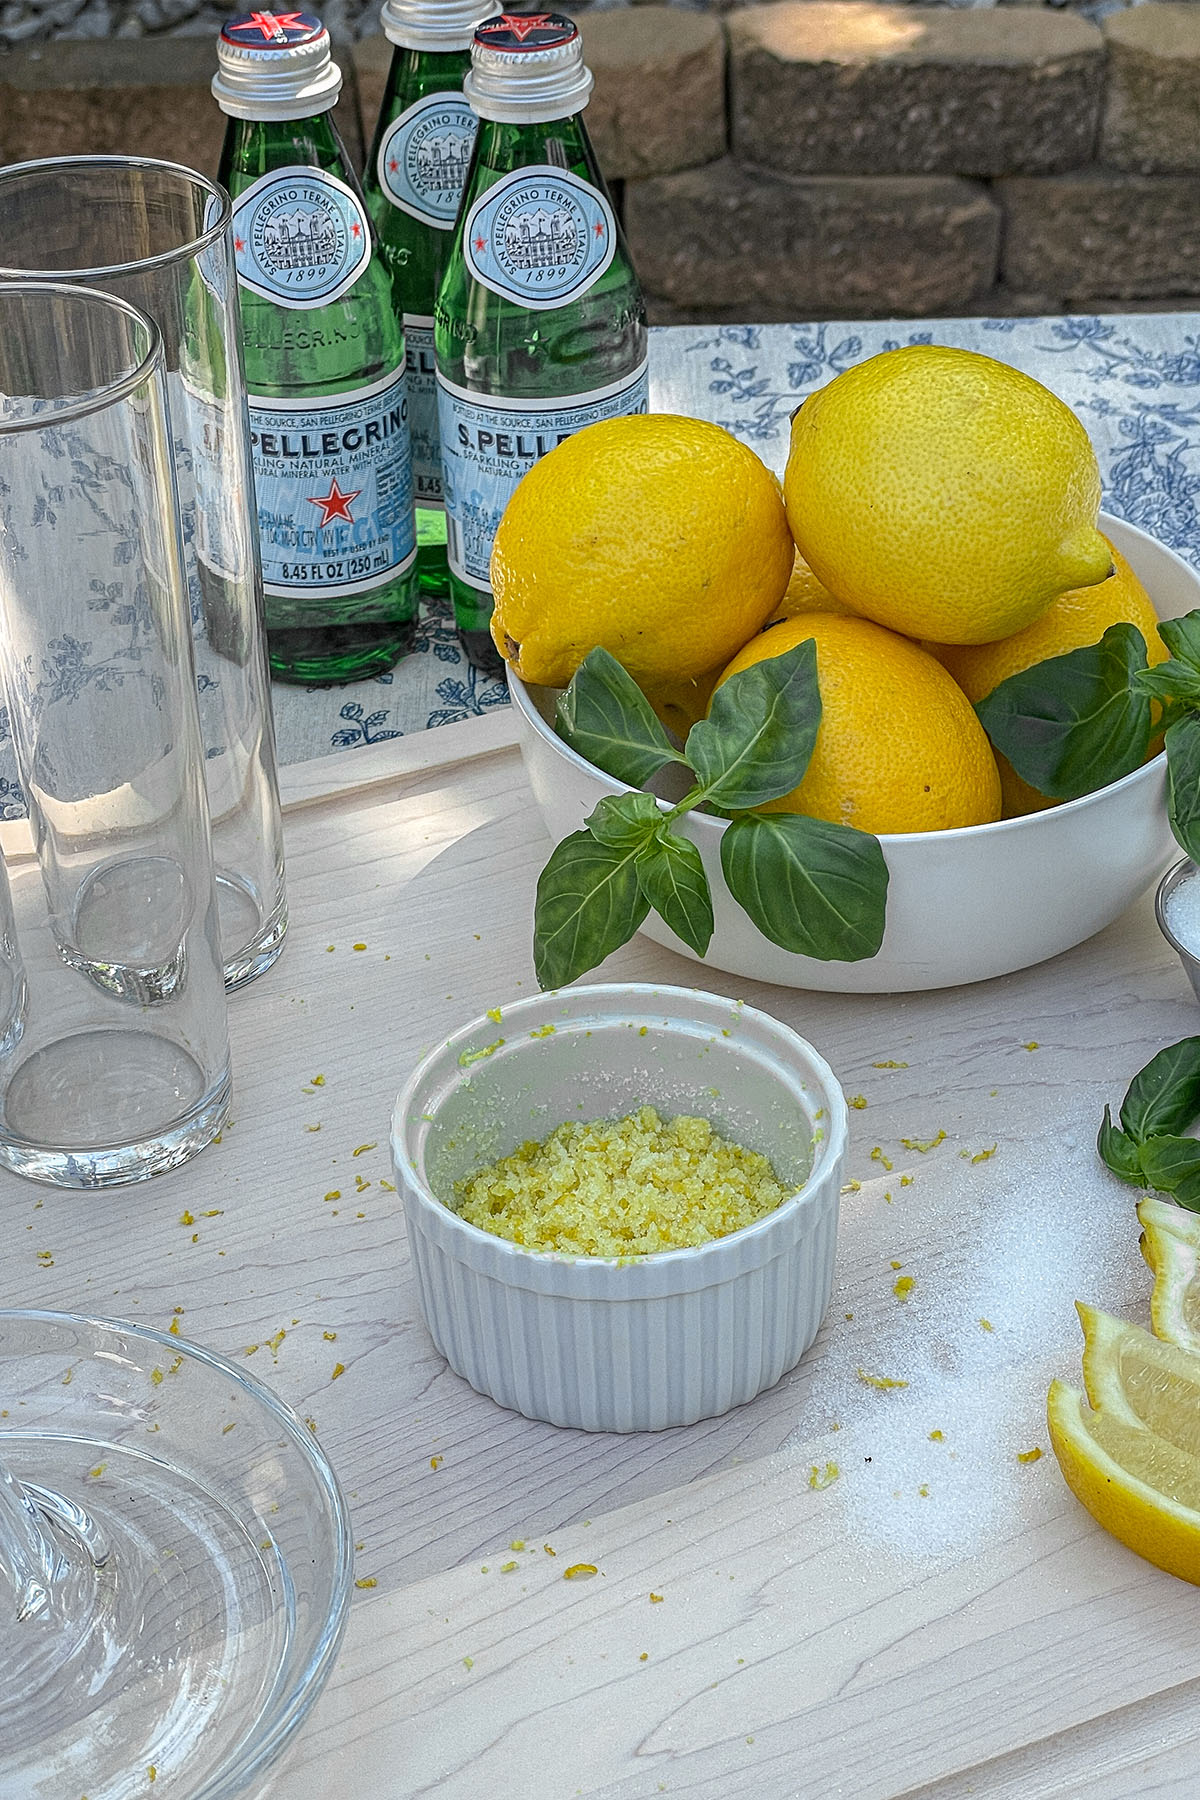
x=435 y=1462
x=986 y=1325
x=508 y=1567
x=330 y=1337
x=822 y=1478
x=656 y=1599
x=938 y=1437
x=878 y=1156
x=516 y=1544
x=1030 y=1456
x=338 y=1369
x=467 y=1057
x=852 y=1187
x=903 y=1286
x=494 y=1014
x=363 y=1148
x=625 y=1187
x=1031 y=1045
x=367 y=1581
x=580 y=1572
x=879 y=1381
x=358 y=946
x=645 y=1656
x=858 y=1102
x=889 y=1065
x=906 y=1181
x=468 y=1663
x=979 y=1156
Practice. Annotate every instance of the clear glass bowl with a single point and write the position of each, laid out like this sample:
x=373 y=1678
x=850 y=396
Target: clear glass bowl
x=193 y=1561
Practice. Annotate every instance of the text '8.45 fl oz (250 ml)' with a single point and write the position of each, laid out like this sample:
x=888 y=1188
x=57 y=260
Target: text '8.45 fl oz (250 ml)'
x=325 y=362
x=540 y=326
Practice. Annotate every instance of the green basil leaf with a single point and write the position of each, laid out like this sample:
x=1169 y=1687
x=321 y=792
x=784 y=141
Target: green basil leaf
x=1183 y=783
x=604 y=715
x=1169 y=681
x=1074 y=723
x=1119 y=1152
x=759 y=734
x=1167 y=1161
x=588 y=904
x=671 y=875
x=1187 y=1194
x=810 y=886
x=1164 y=1097
x=1182 y=638
x=625 y=821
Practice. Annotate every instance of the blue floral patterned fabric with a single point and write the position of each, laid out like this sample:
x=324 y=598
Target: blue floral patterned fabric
x=1133 y=379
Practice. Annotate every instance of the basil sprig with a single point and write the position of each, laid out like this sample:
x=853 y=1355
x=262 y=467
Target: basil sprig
x=1148 y=1149
x=812 y=887
x=1074 y=723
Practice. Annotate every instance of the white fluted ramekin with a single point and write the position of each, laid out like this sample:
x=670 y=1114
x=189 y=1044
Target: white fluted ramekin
x=622 y=1345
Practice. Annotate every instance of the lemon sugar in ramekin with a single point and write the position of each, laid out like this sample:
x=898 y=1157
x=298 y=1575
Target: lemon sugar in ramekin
x=638 y=1344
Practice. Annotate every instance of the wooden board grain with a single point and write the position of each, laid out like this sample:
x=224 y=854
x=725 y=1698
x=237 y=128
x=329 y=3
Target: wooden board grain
x=934 y=1618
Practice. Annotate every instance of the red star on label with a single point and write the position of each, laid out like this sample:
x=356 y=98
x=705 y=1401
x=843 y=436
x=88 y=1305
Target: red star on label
x=239 y=243
x=523 y=24
x=335 y=504
x=393 y=165
x=599 y=230
x=356 y=231
x=272 y=25
x=480 y=243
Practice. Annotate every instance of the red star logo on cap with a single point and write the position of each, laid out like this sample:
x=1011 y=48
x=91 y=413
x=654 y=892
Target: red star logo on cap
x=335 y=504
x=523 y=24
x=272 y=25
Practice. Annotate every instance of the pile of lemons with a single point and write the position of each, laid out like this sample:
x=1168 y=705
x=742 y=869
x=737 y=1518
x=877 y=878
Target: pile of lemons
x=935 y=533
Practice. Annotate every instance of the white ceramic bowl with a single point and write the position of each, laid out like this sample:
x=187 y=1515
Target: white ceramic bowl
x=962 y=905
x=622 y=1345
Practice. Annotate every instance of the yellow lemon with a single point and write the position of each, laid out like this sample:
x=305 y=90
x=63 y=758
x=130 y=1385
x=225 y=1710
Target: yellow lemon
x=1132 y=1454
x=899 y=748
x=1171 y=1246
x=806 y=594
x=660 y=538
x=944 y=494
x=1076 y=618
x=1139 y=1488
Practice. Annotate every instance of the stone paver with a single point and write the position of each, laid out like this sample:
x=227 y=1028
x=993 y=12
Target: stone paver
x=659 y=100
x=724 y=236
x=846 y=87
x=1152 y=104
x=1127 y=237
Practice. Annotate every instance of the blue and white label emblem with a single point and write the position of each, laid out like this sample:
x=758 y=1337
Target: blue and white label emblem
x=300 y=237
x=423 y=159
x=540 y=237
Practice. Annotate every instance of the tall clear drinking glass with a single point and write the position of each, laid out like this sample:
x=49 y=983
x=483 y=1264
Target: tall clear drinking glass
x=114 y=1049
x=158 y=235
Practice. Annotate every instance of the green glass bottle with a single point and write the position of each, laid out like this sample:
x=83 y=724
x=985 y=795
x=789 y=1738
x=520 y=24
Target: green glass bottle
x=325 y=362
x=413 y=182
x=540 y=326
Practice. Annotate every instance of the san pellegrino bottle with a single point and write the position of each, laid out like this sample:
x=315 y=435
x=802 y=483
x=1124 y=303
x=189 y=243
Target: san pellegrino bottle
x=325 y=364
x=413 y=182
x=540 y=326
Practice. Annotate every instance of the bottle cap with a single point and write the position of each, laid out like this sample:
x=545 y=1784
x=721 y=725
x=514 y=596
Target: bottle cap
x=431 y=24
x=275 y=66
x=526 y=67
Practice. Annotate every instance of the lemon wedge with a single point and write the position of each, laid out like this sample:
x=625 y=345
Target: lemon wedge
x=1132 y=1457
x=1171 y=1246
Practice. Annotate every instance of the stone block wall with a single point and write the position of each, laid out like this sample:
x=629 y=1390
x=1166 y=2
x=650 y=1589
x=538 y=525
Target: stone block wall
x=799 y=159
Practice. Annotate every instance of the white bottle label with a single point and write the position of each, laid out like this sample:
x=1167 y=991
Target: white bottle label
x=423 y=410
x=300 y=237
x=423 y=159
x=540 y=237
x=335 y=493
x=487 y=445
